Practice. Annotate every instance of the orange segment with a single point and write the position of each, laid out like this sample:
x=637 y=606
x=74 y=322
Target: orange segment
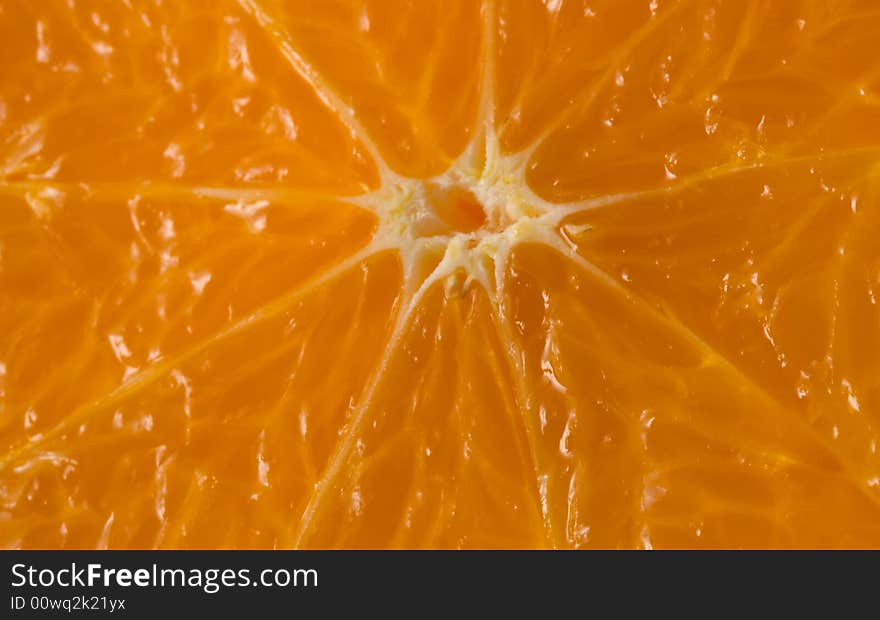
x=707 y=84
x=150 y=279
x=195 y=92
x=406 y=70
x=507 y=274
x=695 y=422
x=777 y=278
x=420 y=469
x=276 y=415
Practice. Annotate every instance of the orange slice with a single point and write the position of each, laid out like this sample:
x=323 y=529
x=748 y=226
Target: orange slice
x=513 y=274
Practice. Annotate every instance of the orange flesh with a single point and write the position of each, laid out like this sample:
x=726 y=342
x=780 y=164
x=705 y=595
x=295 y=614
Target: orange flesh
x=446 y=274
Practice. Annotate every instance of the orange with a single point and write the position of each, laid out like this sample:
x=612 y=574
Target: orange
x=455 y=274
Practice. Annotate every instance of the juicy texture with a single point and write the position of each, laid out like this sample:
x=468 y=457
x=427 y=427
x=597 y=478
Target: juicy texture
x=439 y=274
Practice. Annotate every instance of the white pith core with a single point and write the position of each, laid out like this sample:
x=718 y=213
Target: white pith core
x=411 y=219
